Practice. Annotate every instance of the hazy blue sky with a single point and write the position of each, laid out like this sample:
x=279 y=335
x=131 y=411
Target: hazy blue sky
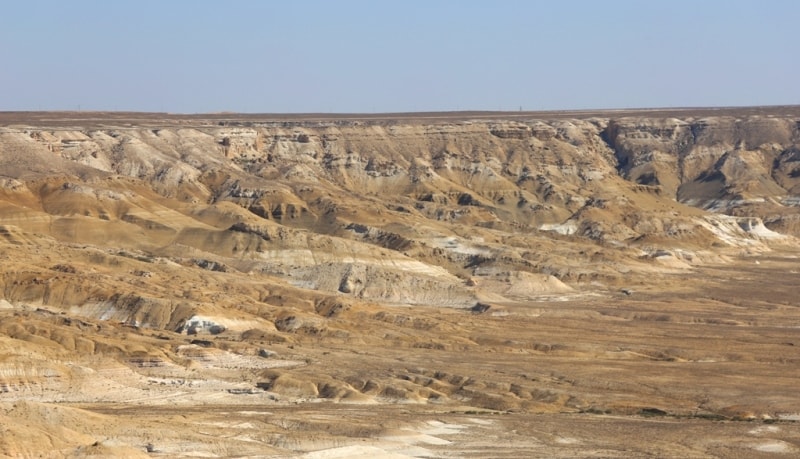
x=396 y=55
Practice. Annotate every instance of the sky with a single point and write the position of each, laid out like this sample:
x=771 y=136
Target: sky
x=364 y=56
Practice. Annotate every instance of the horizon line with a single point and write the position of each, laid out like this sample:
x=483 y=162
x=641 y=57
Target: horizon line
x=423 y=112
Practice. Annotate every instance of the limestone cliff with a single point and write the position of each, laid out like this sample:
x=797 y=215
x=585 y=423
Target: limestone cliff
x=410 y=212
x=740 y=166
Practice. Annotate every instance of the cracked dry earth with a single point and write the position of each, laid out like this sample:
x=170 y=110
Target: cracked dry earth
x=609 y=284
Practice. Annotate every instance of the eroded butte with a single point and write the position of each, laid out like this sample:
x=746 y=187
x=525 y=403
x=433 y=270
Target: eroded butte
x=610 y=284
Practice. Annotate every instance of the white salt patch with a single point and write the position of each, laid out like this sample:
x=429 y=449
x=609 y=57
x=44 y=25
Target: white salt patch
x=567 y=441
x=567 y=228
x=413 y=438
x=765 y=429
x=776 y=446
x=354 y=452
x=440 y=428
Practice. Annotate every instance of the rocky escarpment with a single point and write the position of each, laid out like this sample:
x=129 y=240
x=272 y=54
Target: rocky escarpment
x=740 y=166
x=413 y=213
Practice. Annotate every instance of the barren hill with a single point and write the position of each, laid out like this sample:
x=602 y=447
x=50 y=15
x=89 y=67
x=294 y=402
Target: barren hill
x=396 y=272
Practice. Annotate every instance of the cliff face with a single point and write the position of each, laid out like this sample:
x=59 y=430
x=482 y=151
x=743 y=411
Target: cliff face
x=405 y=212
x=740 y=166
x=525 y=173
x=419 y=213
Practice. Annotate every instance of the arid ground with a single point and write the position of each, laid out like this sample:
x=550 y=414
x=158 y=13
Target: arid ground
x=523 y=284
